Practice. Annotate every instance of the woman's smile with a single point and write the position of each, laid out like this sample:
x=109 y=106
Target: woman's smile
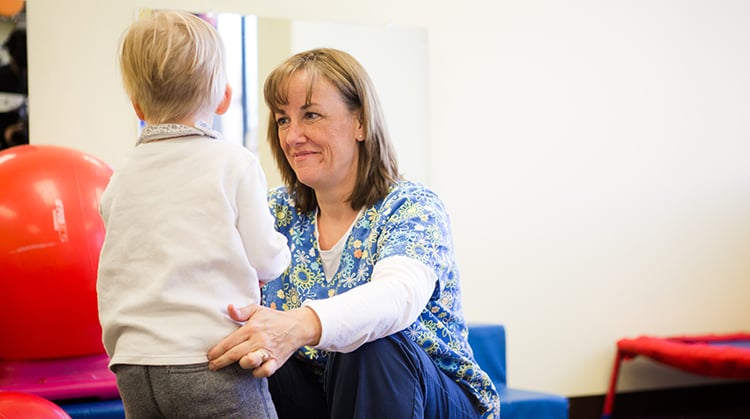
x=301 y=155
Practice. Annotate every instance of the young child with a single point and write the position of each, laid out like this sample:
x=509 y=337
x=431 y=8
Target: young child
x=188 y=231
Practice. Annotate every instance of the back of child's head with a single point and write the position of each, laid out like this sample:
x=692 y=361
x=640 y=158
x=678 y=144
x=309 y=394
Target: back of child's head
x=172 y=66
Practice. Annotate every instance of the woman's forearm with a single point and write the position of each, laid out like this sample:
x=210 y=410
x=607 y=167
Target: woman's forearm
x=399 y=290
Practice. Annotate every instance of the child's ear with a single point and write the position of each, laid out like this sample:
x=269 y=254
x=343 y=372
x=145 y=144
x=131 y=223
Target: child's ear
x=225 y=101
x=138 y=111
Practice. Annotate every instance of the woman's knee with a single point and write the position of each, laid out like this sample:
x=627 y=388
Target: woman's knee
x=395 y=351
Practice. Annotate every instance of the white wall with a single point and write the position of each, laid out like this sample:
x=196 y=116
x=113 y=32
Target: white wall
x=593 y=155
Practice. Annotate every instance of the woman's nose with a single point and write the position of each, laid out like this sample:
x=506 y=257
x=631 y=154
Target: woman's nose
x=294 y=134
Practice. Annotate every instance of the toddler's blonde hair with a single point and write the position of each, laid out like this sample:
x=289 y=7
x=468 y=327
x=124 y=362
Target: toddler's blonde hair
x=172 y=66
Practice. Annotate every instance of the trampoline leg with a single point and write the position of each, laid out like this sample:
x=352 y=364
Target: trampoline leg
x=609 y=400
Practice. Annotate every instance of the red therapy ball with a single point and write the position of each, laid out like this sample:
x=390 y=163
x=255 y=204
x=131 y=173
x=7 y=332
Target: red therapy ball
x=50 y=238
x=28 y=406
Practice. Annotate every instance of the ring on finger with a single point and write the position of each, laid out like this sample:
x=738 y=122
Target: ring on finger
x=264 y=355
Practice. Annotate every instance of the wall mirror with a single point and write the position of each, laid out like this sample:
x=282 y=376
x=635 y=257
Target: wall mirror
x=395 y=57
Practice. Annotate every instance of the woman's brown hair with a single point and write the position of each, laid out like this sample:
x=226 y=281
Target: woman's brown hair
x=378 y=167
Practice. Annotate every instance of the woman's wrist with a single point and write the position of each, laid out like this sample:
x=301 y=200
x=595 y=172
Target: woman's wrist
x=310 y=328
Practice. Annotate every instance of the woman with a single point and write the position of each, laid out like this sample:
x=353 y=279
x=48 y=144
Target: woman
x=367 y=321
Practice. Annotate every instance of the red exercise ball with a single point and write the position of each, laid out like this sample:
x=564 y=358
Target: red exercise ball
x=50 y=238
x=28 y=406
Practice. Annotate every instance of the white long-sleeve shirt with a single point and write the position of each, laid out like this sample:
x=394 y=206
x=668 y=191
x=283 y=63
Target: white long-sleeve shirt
x=188 y=231
x=391 y=301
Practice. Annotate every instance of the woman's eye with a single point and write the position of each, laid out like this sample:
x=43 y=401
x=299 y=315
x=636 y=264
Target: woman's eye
x=283 y=120
x=311 y=115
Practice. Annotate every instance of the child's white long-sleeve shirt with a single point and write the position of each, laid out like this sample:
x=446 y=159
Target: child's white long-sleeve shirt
x=188 y=231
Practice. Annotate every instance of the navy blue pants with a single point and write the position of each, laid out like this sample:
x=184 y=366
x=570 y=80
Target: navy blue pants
x=389 y=378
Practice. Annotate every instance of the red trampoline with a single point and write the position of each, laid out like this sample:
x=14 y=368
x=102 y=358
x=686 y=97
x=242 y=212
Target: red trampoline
x=723 y=356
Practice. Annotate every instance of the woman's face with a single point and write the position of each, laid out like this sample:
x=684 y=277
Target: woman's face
x=319 y=138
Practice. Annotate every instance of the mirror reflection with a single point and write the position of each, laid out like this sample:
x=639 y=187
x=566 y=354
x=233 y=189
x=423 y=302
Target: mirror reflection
x=13 y=76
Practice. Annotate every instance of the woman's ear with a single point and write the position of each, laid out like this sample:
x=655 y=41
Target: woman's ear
x=225 y=101
x=360 y=131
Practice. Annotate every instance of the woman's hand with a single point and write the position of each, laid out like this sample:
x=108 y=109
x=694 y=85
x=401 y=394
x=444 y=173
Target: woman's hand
x=267 y=339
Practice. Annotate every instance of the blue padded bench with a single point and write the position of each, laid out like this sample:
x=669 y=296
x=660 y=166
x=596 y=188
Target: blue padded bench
x=488 y=343
x=100 y=409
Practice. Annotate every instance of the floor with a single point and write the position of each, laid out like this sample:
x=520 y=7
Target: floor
x=724 y=401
